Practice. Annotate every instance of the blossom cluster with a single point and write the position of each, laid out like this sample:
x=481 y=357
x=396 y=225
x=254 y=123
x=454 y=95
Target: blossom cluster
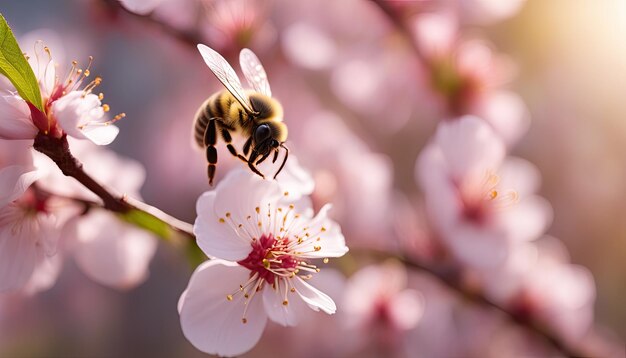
x=47 y=217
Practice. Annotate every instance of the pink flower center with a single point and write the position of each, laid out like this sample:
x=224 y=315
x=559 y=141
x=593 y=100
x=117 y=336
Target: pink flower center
x=268 y=256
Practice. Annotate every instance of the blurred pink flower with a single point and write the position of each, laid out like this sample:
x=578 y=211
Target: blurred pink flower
x=268 y=242
x=489 y=11
x=67 y=108
x=234 y=24
x=111 y=252
x=28 y=237
x=539 y=283
x=480 y=202
x=17 y=171
x=467 y=76
x=379 y=305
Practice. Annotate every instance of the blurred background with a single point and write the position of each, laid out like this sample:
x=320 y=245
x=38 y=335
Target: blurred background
x=350 y=82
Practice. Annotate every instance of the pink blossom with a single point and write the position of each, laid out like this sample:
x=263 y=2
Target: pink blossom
x=17 y=171
x=480 y=202
x=67 y=108
x=539 y=283
x=467 y=76
x=28 y=237
x=263 y=244
x=378 y=303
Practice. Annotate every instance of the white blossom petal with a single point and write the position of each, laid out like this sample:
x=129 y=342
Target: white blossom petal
x=82 y=116
x=215 y=238
x=469 y=146
x=332 y=242
x=214 y=324
x=141 y=7
x=14 y=180
x=22 y=245
x=15 y=121
x=101 y=135
x=315 y=298
x=273 y=301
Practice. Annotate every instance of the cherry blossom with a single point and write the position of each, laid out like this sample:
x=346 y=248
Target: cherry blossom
x=28 y=237
x=467 y=76
x=17 y=171
x=480 y=202
x=262 y=244
x=68 y=109
x=379 y=304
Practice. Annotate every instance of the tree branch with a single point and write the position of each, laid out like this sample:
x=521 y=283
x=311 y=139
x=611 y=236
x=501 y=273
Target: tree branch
x=132 y=210
x=189 y=38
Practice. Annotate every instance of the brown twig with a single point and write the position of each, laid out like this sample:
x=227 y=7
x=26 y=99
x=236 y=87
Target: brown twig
x=58 y=150
x=189 y=38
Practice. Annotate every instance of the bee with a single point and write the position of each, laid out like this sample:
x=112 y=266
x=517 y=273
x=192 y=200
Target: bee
x=253 y=114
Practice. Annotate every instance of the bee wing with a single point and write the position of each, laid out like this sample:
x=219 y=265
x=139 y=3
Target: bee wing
x=254 y=72
x=225 y=73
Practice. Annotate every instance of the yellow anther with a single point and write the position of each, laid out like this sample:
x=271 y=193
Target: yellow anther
x=257 y=209
x=285 y=303
x=106 y=108
x=326 y=260
x=317 y=248
x=266 y=263
x=227 y=214
x=229 y=297
x=244 y=321
x=221 y=220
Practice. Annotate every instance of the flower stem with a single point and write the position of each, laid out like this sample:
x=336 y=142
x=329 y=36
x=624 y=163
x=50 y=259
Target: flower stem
x=131 y=210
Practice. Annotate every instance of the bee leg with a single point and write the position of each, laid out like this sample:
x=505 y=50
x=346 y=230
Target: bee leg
x=262 y=159
x=275 y=156
x=284 y=160
x=246 y=146
x=228 y=139
x=251 y=160
x=210 y=139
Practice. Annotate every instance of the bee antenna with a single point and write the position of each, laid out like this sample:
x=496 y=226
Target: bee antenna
x=284 y=160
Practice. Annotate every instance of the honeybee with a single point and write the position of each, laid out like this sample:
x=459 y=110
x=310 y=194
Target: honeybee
x=253 y=114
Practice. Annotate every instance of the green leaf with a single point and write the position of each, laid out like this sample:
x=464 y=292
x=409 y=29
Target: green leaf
x=15 y=67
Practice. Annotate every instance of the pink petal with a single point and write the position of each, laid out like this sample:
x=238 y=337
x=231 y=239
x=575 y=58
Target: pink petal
x=285 y=315
x=111 y=252
x=22 y=242
x=242 y=191
x=101 y=135
x=211 y=322
x=141 y=7
x=469 y=146
x=527 y=219
x=507 y=114
x=15 y=121
x=215 y=238
x=14 y=180
x=332 y=241
x=407 y=308
x=315 y=298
